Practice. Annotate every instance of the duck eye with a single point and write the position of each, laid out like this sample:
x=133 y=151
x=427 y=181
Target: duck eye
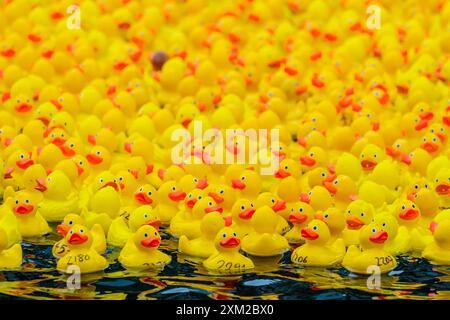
x=413 y=206
x=315 y=228
x=156 y=234
x=72 y=145
x=375 y=155
x=348 y=211
x=286 y=167
x=98 y=152
x=242 y=207
x=120 y=178
x=403 y=207
x=174 y=188
x=149 y=193
x=145 y=215
x=224 y=235
x=22 y=156
x=311 y=154
x=384 y=225
x=101 y=180
x=81 y=230
x=70 y=222
x=336 y=182
x=195 y=180
x=27 y=201
x=432 y=130
x=243 y=178
x=145 y=235
x=210 y=204
x=434 y=139
x=234 y=234
x=300 y=209
x=141 y=189
x=190 y=195
x=398 y=145
x=362 y=214
x=199 y=197
x=374 y=230
x=326 y=216
x=426 y=186
x=71 y=232
x=323 y=174
x=273 y=200
x=424 y=139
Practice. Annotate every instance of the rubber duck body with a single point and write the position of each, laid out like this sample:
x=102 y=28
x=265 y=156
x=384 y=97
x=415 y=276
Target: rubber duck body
x=61 y=248
x=228 y=259
x=204 y=245
x=317 y=250
x=10 y=257
x=371 y=239
x=59 y=198
x=141 y=252
x=81 y=253
x=24 y=205
x=264 y=241
x=439 y=250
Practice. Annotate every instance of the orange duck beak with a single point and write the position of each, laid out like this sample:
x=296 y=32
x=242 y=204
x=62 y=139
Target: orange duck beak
x=354 y=223
x=379 y=237
x=151 y=242
x=77 y=238
x=247 y=213
x=230 y=242
x=309 y=234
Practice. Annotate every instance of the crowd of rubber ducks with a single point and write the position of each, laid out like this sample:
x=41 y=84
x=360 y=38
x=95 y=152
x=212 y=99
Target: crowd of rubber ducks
x=87 y=115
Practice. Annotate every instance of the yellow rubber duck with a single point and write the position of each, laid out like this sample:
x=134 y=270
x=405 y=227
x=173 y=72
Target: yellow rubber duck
x=399 y=241
x=277 y=205
x=300 y=214
x=141 y=252
x=319 y=198
x=10 y=256
x=227 y=259
x=359 y=213
x=122 y=227
x=189 y=223
x=438 y=250
x=409 y=216
x=9 y=223
x=335 y=220
x=343 y=189
x=248 y=183
x=442 y=187
x=144 y=195
x=223 y=195
x=241 y=214
x=81 y=253
x=372 y=252
x=317 y=251
x=264 y=241
x=61 y=247
x=60 y=198
x=204 y=245
x=24 y=205
x=168 y=195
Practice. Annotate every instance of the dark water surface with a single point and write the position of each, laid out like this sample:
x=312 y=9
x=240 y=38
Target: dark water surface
x=278 y=278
